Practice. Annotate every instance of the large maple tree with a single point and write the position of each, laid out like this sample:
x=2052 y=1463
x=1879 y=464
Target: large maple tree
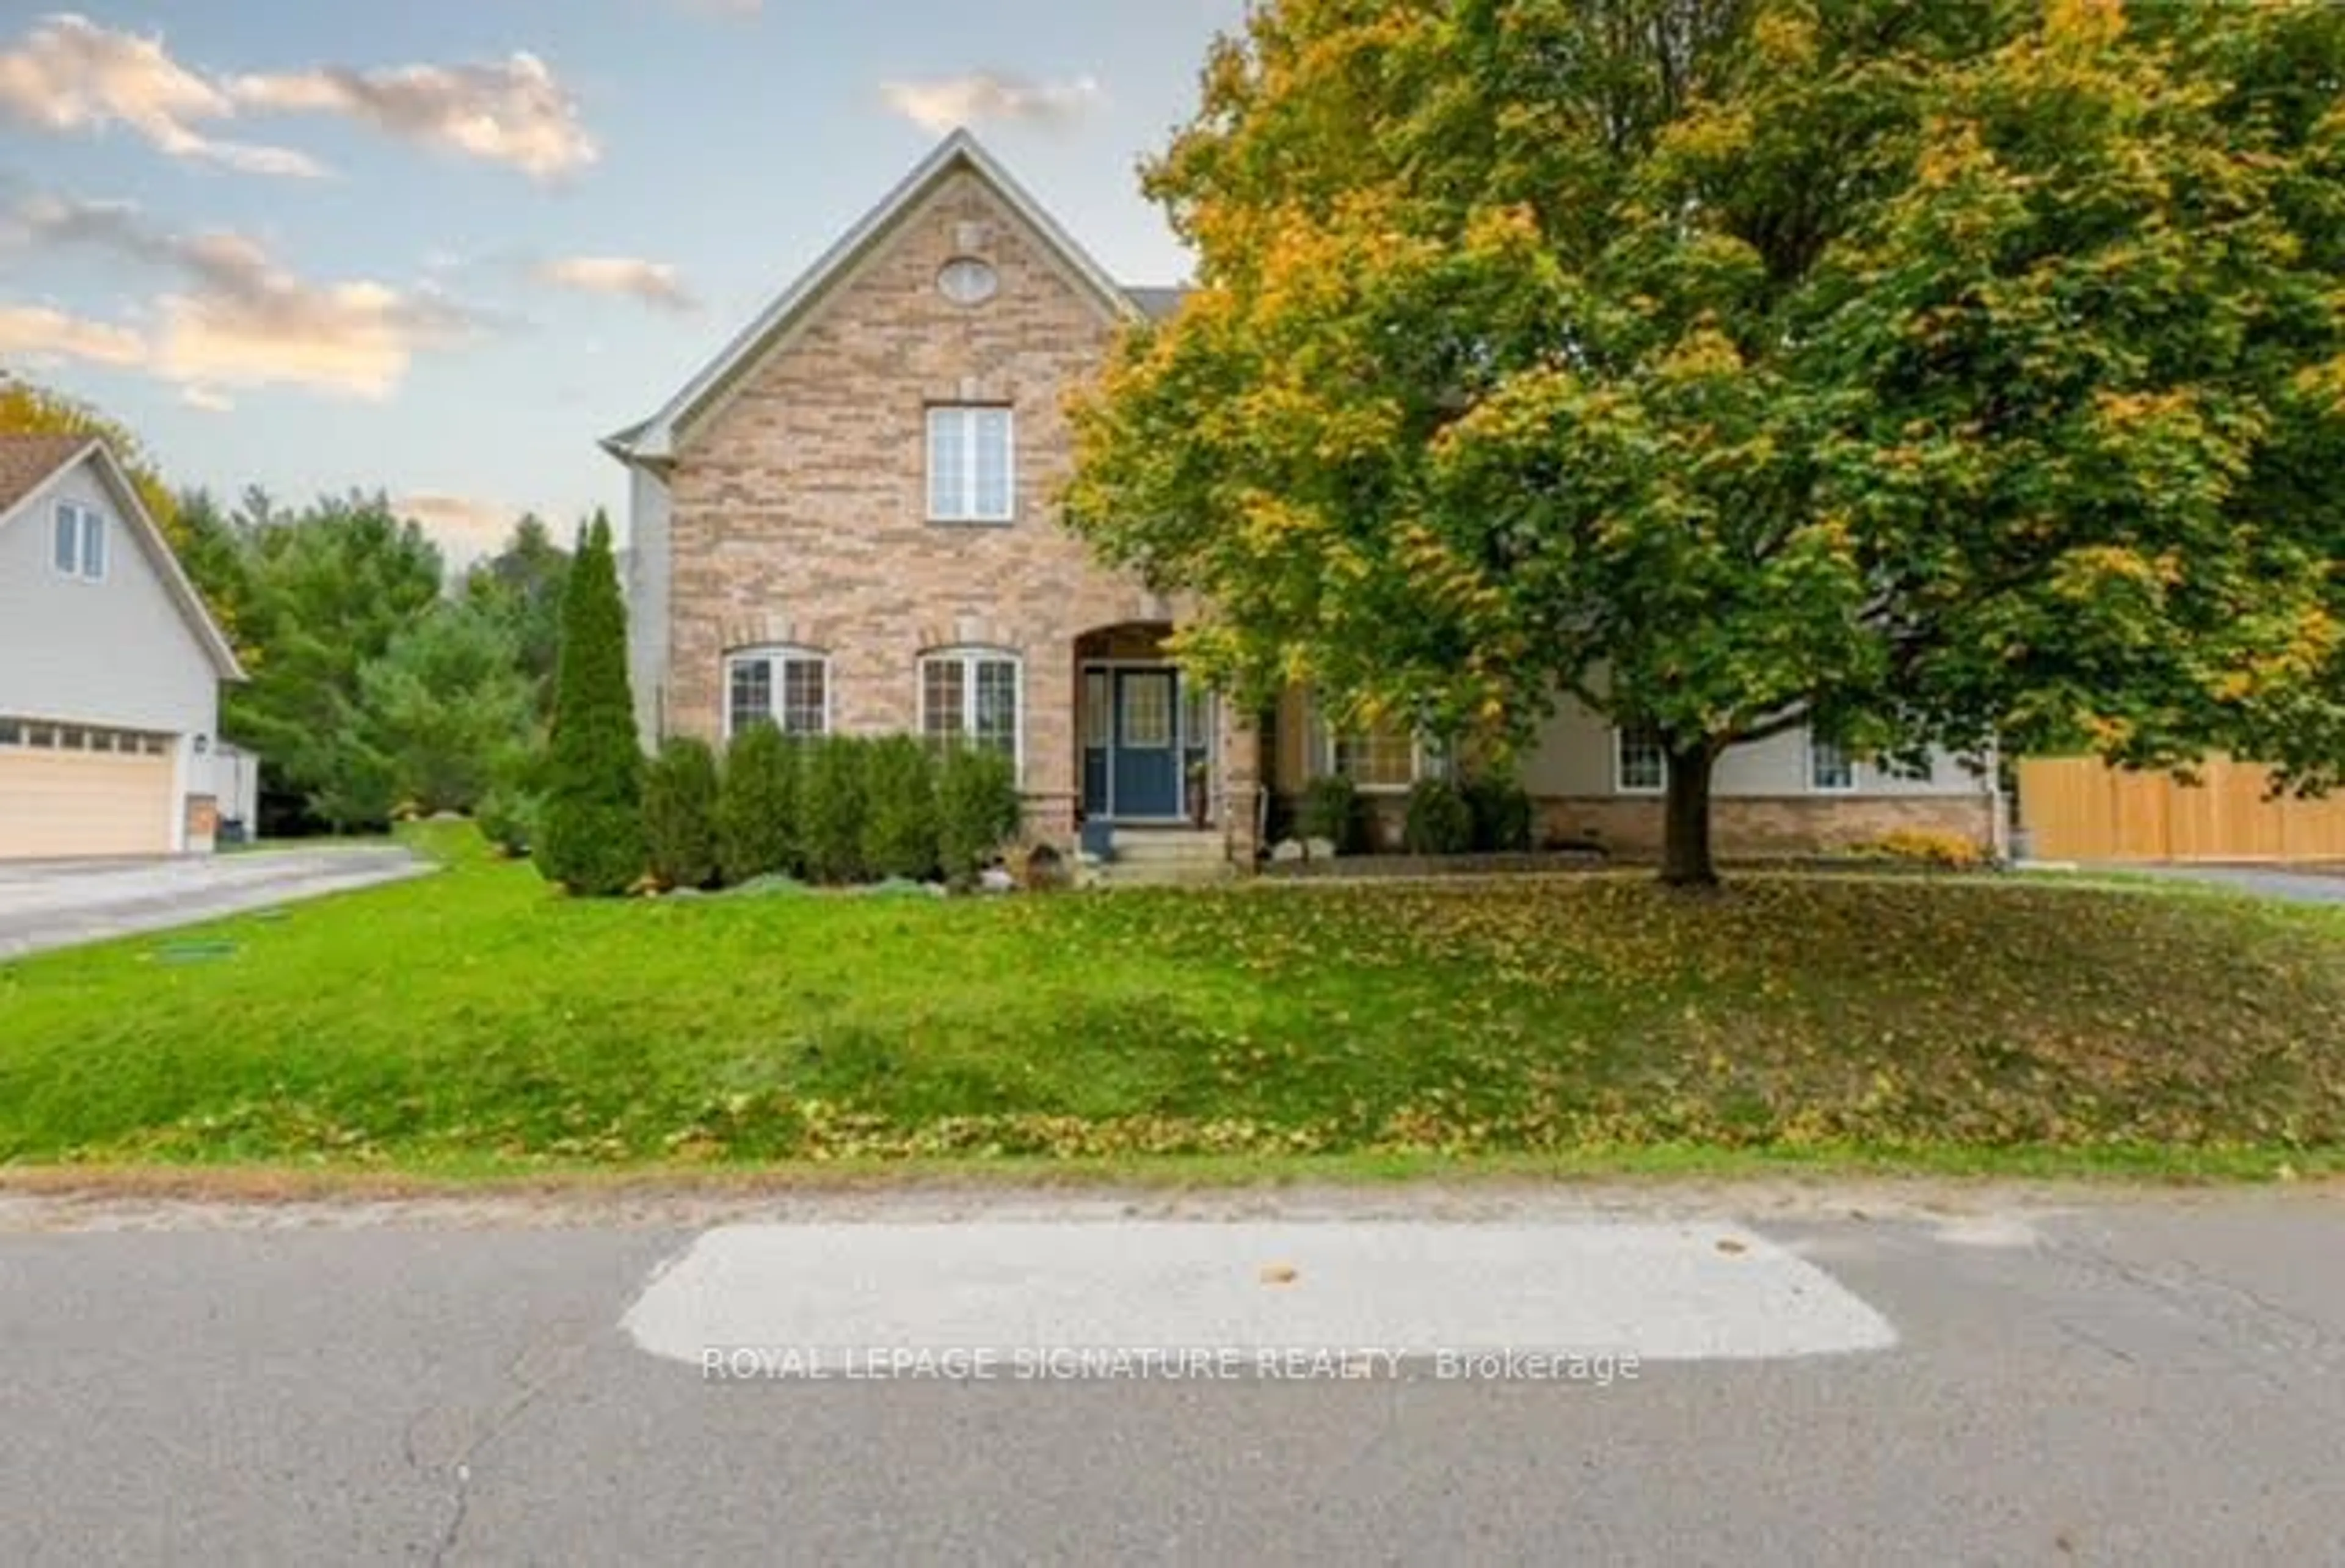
x=1923 y=371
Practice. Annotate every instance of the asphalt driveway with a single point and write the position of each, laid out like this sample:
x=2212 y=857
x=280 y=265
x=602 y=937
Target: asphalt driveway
x=61 y=903
x=2265 y=881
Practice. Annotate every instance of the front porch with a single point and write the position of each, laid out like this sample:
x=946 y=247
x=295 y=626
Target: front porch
x=1155 y=747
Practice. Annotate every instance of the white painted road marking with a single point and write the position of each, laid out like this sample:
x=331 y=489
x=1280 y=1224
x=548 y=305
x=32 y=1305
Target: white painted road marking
x=1661 y=1292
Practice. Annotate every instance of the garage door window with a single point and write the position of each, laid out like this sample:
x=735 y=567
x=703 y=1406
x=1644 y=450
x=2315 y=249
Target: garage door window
x=36 y=735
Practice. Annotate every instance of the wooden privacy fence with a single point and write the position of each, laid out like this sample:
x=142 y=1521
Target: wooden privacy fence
x=2079 y=808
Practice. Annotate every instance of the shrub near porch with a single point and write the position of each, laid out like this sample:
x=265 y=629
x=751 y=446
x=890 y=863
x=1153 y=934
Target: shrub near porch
x=475 y=1019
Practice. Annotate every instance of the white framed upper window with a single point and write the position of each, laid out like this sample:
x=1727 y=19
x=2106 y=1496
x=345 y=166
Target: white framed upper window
x=972 y=463
x=1641 y=760
x=1832 y=770
x=974 y=696
x=786 y=687
x=79 y=543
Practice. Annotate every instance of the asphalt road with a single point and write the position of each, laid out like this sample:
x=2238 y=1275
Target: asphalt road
x=2060 y=1379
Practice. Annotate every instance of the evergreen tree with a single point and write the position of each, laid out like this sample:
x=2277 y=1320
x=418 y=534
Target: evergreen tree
x=591 y=838
x=434 y=713
x=680 y=792
x=522 y=586
x=330 y=588
x=756 y=813
x=899 y=809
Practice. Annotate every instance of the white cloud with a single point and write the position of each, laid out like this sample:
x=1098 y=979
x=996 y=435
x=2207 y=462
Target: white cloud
x=464 y=526
x=68 y=73
x=516 y=114
x=944 y=103
x=239 y=318
x=653 y=283
x=37 y=332
x=210 y=399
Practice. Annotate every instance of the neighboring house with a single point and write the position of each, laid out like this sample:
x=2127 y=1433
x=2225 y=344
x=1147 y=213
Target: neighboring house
x=848 y=521
x=110 y=666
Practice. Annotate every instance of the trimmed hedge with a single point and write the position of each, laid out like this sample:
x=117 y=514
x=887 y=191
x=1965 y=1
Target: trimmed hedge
x=831 y=809
x=899 y=836
x=1332 y=809
x=757 y=807
x=840 y=809
x=1502 y=813
x=978 y=809
x=1438 y=821
x=680 y=795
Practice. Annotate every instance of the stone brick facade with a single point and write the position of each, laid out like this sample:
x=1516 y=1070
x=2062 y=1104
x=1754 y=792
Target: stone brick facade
x=799 y=502
x=789 y=506
x=1742 y=828
x=1765 y=827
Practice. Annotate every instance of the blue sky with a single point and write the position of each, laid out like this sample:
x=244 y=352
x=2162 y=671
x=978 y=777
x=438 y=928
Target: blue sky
x=441 y=245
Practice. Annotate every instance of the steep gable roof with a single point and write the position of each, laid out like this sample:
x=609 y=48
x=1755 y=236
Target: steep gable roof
x=1158 y=304
x=653 y=440
x=27 y=461
x=27 y=464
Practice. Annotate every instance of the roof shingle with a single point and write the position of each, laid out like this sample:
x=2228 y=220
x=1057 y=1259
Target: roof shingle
x=27 y=461
x=1157 y=304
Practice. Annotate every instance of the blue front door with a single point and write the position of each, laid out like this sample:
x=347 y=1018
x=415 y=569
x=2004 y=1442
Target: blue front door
x=1145 y=758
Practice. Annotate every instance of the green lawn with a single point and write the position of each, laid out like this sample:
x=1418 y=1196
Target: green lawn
x=474 y=1021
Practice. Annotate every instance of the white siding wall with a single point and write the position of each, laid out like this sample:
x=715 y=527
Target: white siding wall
x=116 y=653
x=1573 y=756
x=647 y=587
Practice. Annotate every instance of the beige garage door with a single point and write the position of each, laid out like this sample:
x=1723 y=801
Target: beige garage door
x=60 y=804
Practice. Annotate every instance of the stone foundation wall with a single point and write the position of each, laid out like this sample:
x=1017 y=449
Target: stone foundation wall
x=1767 y=826
x=1742 y=828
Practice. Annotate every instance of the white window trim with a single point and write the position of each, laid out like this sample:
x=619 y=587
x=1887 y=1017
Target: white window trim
x=969 y=655
x=1620 y=785
x=1327 y=731
x=1816 y=785
x=972 y=517
x=87 y=522
x=1210 y=743
x=774 y=654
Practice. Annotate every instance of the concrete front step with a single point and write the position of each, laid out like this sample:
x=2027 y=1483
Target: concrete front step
x=1166 y=873
x=1155 y=848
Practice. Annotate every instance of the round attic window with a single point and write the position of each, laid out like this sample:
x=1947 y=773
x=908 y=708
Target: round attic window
x=966 y=281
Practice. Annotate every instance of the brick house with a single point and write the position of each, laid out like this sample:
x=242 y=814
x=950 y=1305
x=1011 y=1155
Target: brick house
x=847 y=523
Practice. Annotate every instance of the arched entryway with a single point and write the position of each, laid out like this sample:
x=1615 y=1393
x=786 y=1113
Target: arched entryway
x=1146 y=735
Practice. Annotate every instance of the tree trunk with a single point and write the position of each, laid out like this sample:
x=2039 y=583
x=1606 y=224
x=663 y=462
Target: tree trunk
x=1685 y=836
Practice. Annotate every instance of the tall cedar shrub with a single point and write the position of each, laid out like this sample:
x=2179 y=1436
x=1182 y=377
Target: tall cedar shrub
x=756 y=805
x=591 y=838
x=1438 y=820
x=978 y=809
x=680 y=792
x=1502 y=813
x=831 y=809
x=900 y=822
